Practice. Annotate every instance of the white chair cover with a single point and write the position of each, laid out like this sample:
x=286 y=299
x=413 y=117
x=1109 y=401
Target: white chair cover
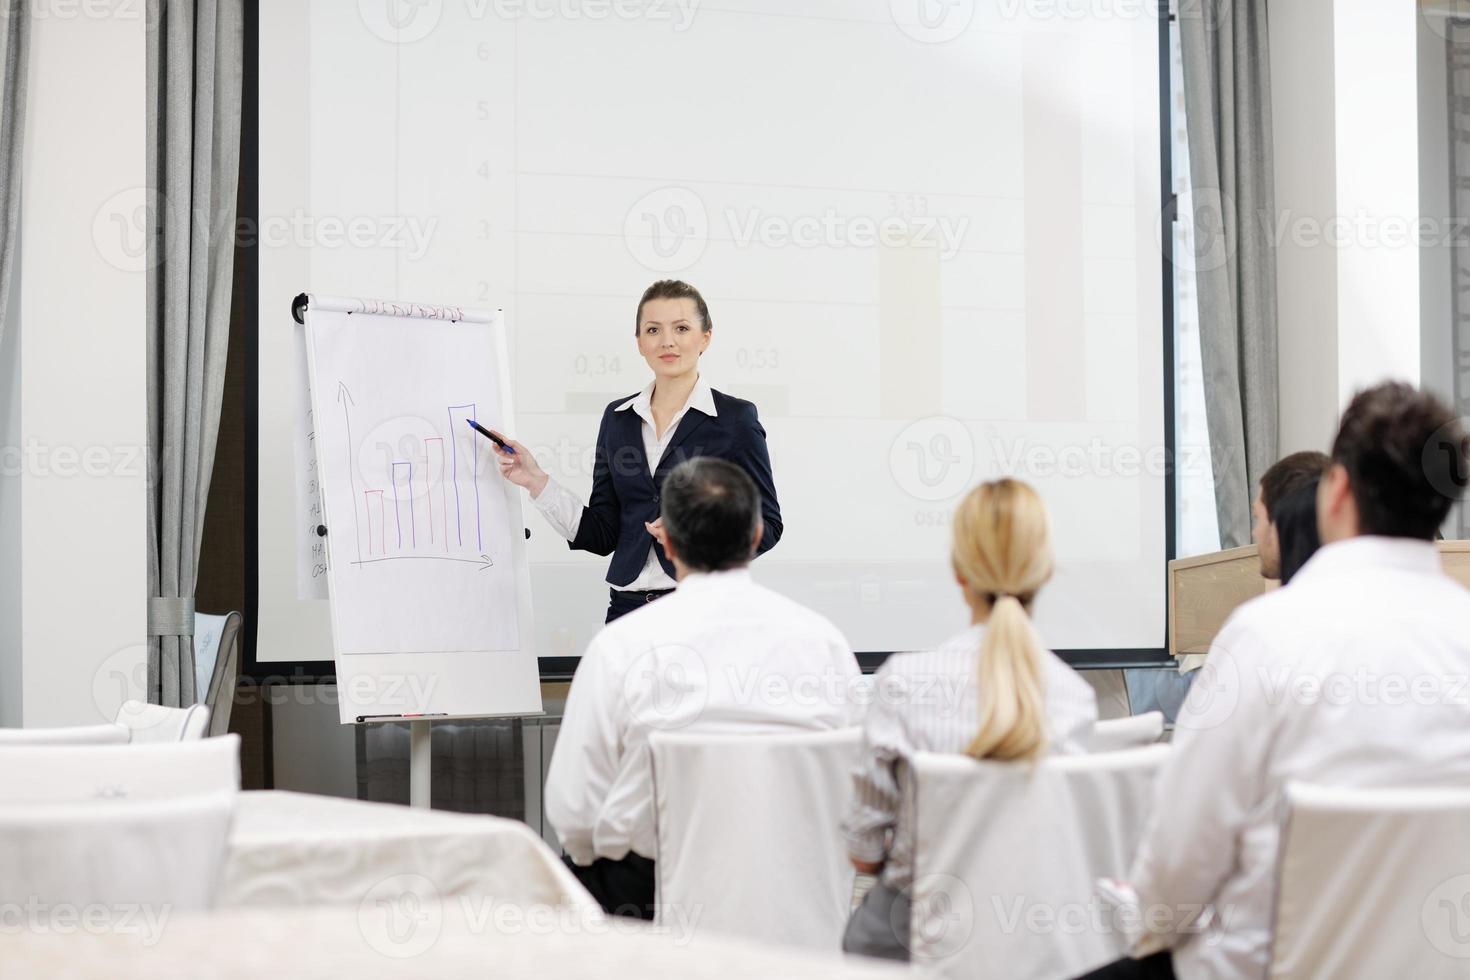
x=120 y=862
x=1373 y=883
x=109 y=734
x=155 y=723
x=748 y=831
x=1126 y=733
x=1006 y=856
x=77 y=773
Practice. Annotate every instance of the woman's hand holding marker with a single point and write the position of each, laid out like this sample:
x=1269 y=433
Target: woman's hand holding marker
x=519 y=467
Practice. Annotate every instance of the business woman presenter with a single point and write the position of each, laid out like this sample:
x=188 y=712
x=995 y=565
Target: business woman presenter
x=641 y=439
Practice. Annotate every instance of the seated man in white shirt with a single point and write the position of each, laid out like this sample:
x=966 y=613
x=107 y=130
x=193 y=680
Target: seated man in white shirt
x=713 y=657
x=1350 y=676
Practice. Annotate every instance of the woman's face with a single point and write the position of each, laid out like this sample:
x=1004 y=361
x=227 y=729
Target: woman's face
x=671 y=337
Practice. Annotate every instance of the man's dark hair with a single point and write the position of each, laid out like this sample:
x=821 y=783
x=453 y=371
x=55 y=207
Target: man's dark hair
x=1295 y=518
x=673 y=289
x=1405 y=455
x=1290 y=472
x=710 y=509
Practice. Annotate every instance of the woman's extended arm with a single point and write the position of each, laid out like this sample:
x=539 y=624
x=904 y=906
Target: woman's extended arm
x=589 y=528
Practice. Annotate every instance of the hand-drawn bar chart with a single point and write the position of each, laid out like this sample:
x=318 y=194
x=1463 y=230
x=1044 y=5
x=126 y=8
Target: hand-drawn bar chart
x=430 y=508
x=420 y=523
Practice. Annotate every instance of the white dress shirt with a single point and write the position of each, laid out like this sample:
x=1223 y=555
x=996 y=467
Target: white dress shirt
x=1354 y=675
x=930 y=702
x=563 y=509
x=722 y=655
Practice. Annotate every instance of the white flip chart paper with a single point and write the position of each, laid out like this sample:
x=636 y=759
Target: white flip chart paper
x=420 y=555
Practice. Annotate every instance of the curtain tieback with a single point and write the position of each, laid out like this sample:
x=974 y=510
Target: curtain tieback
x=170 y=616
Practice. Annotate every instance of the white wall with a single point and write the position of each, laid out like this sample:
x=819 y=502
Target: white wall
x=1345 y=118
x=314 y=751
x=1436 y=285
x=10 y=617
x=81 y=343
x=1304 y=122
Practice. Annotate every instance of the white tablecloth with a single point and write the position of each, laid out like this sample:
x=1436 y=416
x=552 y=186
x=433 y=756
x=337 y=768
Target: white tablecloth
x=300 y=849
x=441 y=942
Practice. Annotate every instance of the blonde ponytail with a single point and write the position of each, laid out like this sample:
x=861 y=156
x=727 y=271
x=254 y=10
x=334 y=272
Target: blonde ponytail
x=1002 y=552
x=1012 y=696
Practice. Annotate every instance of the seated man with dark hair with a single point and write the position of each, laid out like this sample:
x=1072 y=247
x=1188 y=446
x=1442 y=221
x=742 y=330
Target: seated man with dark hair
x=713 y=657
x=1284 y=476
x=1351 y=677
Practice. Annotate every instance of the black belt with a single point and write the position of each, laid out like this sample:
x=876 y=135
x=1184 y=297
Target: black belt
x=647 y=595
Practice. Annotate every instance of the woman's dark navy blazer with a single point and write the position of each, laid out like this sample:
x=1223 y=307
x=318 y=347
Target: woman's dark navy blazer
x=625 y=495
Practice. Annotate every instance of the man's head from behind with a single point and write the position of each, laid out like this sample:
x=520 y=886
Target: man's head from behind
x=1398 y=462
x=1285 y=476
x=712 y=516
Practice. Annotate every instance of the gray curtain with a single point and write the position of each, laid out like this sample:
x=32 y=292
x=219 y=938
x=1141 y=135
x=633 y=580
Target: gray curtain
x=15 y=42
x=195 y=57
x=1227 y=91
x=1458 y=73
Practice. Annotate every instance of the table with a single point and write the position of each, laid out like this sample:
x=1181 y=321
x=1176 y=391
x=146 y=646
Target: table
x=451 y=941
x=297 y=849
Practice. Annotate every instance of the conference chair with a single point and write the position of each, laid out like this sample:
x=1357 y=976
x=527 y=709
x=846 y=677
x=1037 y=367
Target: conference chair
x=217 y=666
x=154 y=723
x=1373 y=883
x=81 y=773
x=108 y=734
x=748 y=836
x=1126 y=733
x=120 y=864
x=1006 y=856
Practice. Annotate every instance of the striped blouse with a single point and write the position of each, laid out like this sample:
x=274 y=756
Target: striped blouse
x=929 y=702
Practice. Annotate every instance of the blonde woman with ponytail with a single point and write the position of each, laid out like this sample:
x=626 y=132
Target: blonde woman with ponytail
x=992 y=692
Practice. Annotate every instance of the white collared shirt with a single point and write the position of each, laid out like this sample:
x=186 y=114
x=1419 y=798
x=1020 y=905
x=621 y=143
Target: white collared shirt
x=929 y=702
x=1354 y=675
x=563 y=509
x=722 y=655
